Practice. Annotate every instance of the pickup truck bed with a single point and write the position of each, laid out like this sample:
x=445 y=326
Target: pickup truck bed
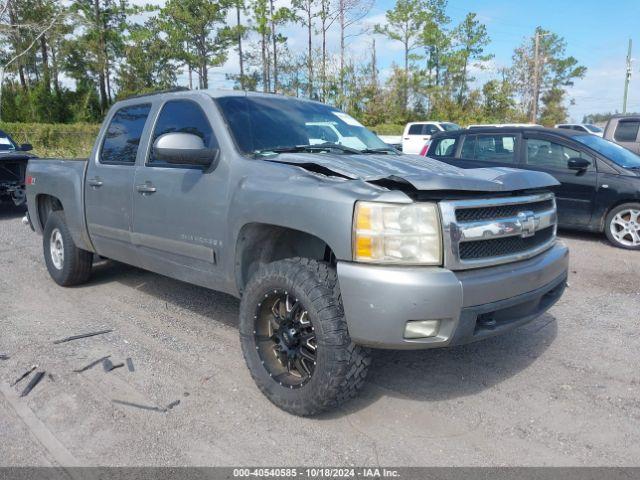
x=67 y=178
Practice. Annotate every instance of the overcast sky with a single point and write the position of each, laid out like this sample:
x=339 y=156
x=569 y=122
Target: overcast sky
x=597 y=34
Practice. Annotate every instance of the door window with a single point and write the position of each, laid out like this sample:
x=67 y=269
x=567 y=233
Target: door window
x=183 y=116
x=415 y=129
x=627 y=131
x=489 y=148
x=547 y=154
x=122 y=139
x=445 y=147
x=423 y=129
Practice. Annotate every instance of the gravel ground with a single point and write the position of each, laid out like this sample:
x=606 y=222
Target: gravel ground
x=562 y=390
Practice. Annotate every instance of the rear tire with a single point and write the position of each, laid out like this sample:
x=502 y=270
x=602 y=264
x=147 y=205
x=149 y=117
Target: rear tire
x=67 y=264
x=311 y=307
x=622 y=226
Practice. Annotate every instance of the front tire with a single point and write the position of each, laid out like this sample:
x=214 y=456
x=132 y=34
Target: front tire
x=622 y=226
x=67 y=264
x=295 y=340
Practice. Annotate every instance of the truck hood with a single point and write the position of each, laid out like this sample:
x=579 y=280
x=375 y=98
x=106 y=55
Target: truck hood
x=421 y=173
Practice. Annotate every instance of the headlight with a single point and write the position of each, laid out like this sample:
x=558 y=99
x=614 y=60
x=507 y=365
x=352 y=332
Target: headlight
x=397 y=233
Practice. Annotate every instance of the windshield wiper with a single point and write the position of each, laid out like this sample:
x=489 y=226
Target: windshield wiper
x=379 y=150
x=310 y=148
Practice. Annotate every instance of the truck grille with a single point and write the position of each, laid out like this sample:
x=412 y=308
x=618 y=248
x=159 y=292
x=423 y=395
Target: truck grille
x=493 y=231
x=498 y=247
x=503 y=211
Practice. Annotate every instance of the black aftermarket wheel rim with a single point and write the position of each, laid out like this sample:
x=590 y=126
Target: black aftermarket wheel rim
x=285 y=339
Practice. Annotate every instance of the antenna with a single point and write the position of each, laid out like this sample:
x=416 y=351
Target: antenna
x=627 y=79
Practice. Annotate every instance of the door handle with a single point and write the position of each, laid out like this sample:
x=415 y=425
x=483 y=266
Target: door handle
x=146 y=188
x=95 y=182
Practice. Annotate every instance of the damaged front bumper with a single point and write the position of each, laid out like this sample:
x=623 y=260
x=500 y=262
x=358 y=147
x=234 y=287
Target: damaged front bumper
x=470 y=305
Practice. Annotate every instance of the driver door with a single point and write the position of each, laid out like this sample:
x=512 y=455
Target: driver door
x=575 y=196
x=177 y=209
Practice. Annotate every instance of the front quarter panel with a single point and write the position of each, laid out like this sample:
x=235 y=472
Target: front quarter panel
x=289 y=196
x=614 y=189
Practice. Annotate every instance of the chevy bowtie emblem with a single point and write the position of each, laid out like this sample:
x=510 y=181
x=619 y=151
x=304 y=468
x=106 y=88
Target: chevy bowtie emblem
x=528 y=223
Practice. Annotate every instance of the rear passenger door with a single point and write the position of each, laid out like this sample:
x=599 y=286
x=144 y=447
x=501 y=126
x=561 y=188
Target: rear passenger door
x=576 y=195
x=109 y=183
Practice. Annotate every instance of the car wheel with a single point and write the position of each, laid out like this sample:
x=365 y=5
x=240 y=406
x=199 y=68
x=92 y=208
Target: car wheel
x=295 y=340
x=67 y=264
x=622 y=226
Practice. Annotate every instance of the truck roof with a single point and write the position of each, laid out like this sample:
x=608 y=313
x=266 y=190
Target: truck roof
x=213 y=92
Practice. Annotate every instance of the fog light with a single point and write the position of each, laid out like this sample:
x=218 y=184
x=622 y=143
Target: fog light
x=421 y=328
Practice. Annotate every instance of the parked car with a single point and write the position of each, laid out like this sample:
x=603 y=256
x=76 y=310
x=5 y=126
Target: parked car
x=624 y=130
x=484 y=125
x=417 y=133
x=581 y=127
x=394 y=141
x=599 y=181
x=323 y=132
x=13 y=164
x=331 y=249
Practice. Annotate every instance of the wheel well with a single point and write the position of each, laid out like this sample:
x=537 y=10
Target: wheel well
x=259 y=244
x=615 y=205
x=47 y=204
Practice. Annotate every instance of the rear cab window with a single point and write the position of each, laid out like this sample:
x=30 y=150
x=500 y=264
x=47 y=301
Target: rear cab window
x=627 y=131
x=122 y=138
x=490 y=148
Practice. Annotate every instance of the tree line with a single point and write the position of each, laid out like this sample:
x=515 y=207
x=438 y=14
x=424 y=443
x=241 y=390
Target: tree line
x=68 y=62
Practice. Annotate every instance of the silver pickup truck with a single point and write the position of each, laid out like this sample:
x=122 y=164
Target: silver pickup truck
x=333 y=247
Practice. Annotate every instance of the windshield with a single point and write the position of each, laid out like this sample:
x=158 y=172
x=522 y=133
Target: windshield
x=270 y=124
x=614 y=152
x=450 y=127
x=6 y=143
x=593 y=128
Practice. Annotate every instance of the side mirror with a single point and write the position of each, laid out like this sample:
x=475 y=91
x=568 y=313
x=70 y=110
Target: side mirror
x=578 y=163
x=184 y=149
x=26 y=147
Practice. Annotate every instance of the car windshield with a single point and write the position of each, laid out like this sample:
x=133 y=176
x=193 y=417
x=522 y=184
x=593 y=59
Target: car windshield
x=269 y=125
x=450 y=127
x=593 y=128
x=6 y=143
x=614 y=152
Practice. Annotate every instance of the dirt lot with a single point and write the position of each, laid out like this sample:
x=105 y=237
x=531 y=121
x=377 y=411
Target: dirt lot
x=563 y=390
